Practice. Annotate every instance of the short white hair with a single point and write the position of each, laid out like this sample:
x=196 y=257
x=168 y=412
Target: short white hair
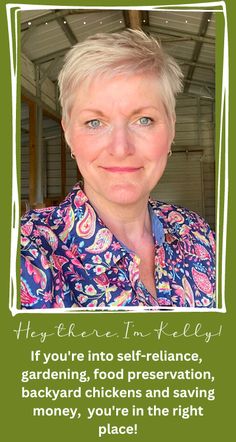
x=127 y=52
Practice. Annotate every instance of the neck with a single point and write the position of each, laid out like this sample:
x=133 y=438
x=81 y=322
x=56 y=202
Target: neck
x=130 y=223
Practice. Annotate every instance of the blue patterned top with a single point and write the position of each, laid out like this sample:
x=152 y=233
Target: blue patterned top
x=69 y=258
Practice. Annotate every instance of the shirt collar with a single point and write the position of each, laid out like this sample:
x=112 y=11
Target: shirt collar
x=157 y=227
x=95 y=243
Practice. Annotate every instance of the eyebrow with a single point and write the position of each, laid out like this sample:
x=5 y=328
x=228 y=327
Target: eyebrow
x=135 y=111
x=143 y=108
x=96 y=111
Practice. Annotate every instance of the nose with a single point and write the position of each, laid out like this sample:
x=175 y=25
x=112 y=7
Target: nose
x=121 y=141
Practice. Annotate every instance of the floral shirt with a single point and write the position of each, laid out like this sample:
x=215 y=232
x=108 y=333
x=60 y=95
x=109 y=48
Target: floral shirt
x=71 y=259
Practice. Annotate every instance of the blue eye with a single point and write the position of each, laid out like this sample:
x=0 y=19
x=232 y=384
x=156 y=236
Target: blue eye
x=94 y=124
x=145 y=121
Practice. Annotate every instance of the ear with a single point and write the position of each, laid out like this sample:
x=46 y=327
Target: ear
x=65 y=130
x=173 y=121
x=63 y=124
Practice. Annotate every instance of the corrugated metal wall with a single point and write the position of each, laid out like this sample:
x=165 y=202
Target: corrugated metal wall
x=28 y=76
x=189 y=176
x=182 y=182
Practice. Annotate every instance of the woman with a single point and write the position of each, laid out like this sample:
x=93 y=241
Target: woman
x=107 y=243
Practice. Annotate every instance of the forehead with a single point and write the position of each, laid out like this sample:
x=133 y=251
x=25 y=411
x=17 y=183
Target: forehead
x=104 y=90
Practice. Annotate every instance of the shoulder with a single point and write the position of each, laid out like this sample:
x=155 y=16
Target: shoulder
x=171 y=214
x=34 y=221
x=189 y=253
x=52 y=216
x=45 y=225
x=183 y=223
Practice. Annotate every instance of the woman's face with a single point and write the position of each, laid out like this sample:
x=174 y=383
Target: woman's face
x=120 y=135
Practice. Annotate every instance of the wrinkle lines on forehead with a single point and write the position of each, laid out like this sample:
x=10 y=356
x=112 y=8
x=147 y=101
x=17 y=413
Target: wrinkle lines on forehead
x=132 y=95
x=134 y=111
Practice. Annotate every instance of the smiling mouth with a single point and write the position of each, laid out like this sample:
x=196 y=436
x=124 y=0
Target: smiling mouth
x=121 y=169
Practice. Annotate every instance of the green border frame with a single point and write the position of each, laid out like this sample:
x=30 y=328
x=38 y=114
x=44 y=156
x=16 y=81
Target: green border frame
x=210 y=335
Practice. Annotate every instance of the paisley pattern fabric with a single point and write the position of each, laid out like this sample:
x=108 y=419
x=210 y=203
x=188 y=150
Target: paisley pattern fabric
x=71 y=259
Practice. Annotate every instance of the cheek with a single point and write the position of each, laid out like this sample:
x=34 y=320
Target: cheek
x=83 y=150
x=159 y=146
x=75 y=140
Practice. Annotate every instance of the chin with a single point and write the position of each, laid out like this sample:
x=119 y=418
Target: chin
x=125 y=195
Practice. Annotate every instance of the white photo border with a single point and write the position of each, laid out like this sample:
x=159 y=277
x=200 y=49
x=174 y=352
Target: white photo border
x=12 y=21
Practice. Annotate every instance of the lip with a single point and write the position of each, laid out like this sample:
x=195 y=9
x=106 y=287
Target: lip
x=121 y=169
